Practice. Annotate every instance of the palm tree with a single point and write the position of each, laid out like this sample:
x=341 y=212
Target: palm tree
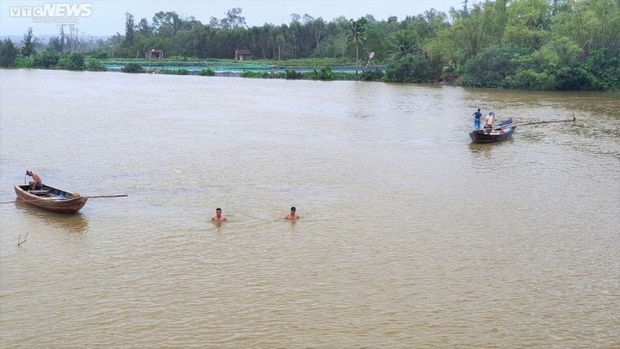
x=356 y=34
x=402 y=43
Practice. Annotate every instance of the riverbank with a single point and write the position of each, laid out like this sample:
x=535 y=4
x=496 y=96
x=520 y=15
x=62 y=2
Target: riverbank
x=322 y=69
x=260 y=69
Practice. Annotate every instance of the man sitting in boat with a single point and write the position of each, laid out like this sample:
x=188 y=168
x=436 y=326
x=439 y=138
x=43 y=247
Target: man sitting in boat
x=35 y=184
x=506 y=122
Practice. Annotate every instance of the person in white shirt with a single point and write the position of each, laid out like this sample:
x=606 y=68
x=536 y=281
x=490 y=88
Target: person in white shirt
x=488 y=123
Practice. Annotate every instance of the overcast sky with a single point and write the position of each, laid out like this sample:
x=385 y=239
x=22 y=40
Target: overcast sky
x=107 y=17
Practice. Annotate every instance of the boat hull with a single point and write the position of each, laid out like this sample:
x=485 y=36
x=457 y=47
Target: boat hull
x=51 y=199
x=482 y=137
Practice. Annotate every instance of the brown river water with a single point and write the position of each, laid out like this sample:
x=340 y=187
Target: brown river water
x=410 y=236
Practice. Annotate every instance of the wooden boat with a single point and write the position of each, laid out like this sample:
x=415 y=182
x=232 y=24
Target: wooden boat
x=501 y=133
x=51 y=199
x=505 y=129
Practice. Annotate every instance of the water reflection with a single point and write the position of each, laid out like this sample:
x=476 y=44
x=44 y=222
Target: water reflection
x=74 y=223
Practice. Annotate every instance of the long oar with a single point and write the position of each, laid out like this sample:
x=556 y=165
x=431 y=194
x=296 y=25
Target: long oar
x=105 y=196
x=535 y=123
x=81 y=197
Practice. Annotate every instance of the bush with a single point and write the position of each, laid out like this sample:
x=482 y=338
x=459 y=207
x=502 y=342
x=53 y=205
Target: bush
x=8 y=53
x=46 y=60
x=291 y=74
x=325 y=74
x=254 y=74
x=604 y=64
x=174 y=71
x=76 y=61
x=531 y=80
x=99 y=55
x=96 y=66
x=132 y=68
x=573 y=79
x=411 y=68
x=207 y=72
x=491 y=67
x=25 y=62
x=372 y=75
x=63 y=62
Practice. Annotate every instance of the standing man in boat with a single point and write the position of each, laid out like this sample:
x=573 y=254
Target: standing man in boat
x=488 y=123
x=36 y=183
x=219 y=217
x=293 y=215
x=477 y=117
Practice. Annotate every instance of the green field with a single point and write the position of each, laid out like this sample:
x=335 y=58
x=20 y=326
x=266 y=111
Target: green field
x=234 y=66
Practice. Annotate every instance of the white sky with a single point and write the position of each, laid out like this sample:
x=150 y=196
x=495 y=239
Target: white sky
x=108 y=16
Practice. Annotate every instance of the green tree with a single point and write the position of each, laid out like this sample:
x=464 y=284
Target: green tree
x=76 y=61
x=375 y=43
x=531 y=39
x=574 y=78
x=132 y=68
x=356 y=34
x=144 y=28
x=410 y=68
x=591 y=24
x=129 y=29
x=470 y=35
x=63 y=40
x=8 y=53
x=565 y=49
x=54 y=44
x=528 y=23
x=29 y=42
x=604 y=65
x=96 y=66
x=318 y=29
x=233 y=19
x=47 y=59
x=428 y=25
x=167 y=24
x=403 y=43
x=491 y=67
x=530 y=79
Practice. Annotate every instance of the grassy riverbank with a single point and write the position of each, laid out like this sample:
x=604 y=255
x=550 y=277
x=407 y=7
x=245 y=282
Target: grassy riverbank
x=311 y=69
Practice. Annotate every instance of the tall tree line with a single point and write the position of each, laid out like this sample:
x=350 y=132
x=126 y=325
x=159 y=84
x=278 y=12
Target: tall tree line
x=456 y=36
x=536 y=44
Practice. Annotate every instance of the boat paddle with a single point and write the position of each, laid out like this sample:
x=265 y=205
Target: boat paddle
x=105 y=196
x=535 y=123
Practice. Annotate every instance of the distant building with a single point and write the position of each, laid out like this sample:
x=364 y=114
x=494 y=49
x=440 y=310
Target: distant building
x=243 y=54
x=154 y=54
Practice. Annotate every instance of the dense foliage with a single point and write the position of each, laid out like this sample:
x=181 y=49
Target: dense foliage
x=94 y=65
x=8 y=53
x=526 y=44
x=132 y=68
x=491 y=67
